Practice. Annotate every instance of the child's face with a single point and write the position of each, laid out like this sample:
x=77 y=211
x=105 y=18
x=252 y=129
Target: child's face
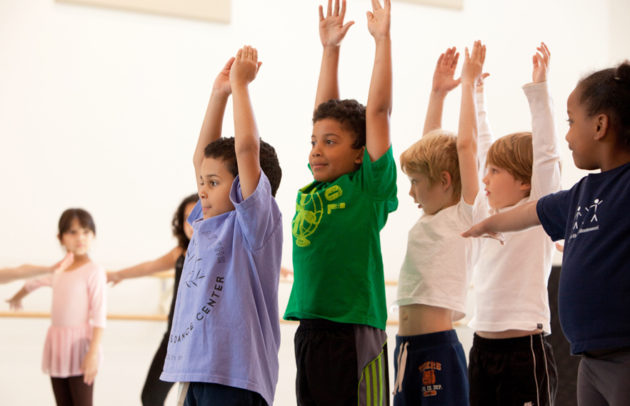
x=332 y=154
x=581 y=134
x=188 y=230
x=429 y=197
x=213 y=186
x=77 y=239
x=502 y=188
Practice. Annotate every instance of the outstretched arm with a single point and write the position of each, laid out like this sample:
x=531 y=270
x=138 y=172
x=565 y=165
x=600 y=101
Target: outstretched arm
x=29 y=271
x=163 y=263
x=467 y=133
x=332 y=30
x=246 y=140
x=379 y=105
x=213 y=120
x=517 y=219
x=443 y=83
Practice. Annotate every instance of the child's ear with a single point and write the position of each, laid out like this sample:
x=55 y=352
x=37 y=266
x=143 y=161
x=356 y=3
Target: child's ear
x=358 y=160
x=601 y=126
x=525 y=187
x=446 y=180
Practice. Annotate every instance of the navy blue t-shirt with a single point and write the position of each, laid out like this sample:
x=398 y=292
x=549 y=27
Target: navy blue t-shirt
x=594 y=294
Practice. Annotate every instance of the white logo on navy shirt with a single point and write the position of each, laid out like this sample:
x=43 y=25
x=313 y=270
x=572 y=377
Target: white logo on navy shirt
x=585 y=219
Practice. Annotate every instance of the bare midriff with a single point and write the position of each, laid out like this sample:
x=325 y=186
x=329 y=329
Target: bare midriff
x=419 y=319
x=507 y=333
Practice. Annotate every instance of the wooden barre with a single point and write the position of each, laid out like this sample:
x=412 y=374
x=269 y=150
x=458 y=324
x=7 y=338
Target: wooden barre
x=126 y=317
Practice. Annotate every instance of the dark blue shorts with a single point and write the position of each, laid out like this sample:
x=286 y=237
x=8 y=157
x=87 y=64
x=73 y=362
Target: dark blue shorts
x=206 y=394
x=430 y=370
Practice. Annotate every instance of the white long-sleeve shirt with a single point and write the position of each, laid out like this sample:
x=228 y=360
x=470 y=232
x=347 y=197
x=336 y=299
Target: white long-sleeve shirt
x=510 y=280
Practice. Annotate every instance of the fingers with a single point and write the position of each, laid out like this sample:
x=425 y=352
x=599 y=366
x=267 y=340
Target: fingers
x=228 y=64
x=343 y=10
x=336 y=8
x=329 y=9
x=321 y=13
x=346 y=27
x=376 y=5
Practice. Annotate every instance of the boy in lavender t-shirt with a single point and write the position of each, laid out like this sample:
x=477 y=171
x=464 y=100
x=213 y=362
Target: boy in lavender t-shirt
x=225 y=336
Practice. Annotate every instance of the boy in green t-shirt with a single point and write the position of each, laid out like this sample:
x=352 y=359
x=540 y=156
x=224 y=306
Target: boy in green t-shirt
x=338 y=292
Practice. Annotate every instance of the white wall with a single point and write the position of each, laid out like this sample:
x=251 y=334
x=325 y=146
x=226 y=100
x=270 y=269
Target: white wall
x=101 y=108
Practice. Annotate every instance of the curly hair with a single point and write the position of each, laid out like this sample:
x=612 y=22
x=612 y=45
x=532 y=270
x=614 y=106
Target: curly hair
x=608 y=91
x=349 y=113
x=223 y=149
x=85 y=220
x=177 y=224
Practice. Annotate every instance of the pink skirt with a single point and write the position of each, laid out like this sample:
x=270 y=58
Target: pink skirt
x=64 y=350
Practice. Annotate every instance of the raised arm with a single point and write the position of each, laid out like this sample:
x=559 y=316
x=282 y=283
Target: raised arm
x=443 y=83
x=332 y=30
x=213 y=119
x=246 y=140
x=546 y=164
x=163 y=263
x=467 y=133
x=379 y=104
x=517 y=219
x=484 y=133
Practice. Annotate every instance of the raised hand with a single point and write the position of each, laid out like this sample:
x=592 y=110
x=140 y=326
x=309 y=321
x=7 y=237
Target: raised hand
x=473 y=63
x=540 y=62
x=245 y=66
x=379 y=19
x=443 y=76
x=332 y=30
x=222 y=82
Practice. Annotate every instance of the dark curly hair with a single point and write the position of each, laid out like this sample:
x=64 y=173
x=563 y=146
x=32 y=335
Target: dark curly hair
x=608 y=91
x=223 y=149
x=85 y=220
x=177 y=224
x=349 y=113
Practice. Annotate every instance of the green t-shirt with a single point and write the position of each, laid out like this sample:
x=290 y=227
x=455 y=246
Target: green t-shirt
x=338 y=267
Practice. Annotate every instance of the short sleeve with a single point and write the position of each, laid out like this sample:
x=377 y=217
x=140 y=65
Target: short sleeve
x=378 y=178
x=553 y=211
x=97 y=284
x=258 y=216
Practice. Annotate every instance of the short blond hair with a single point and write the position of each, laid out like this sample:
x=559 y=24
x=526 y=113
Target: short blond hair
x=435 y=153
x=514 y=153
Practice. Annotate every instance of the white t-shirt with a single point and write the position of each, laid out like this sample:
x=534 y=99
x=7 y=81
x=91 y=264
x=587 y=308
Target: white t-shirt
x=437 y=265
x=510 y=280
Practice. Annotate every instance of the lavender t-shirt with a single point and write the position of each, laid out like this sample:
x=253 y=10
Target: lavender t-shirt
x=225 y=328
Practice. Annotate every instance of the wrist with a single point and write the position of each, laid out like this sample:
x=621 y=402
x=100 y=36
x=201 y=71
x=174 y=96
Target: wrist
x=382 y=38
x=220 y=93
x=439 y=93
